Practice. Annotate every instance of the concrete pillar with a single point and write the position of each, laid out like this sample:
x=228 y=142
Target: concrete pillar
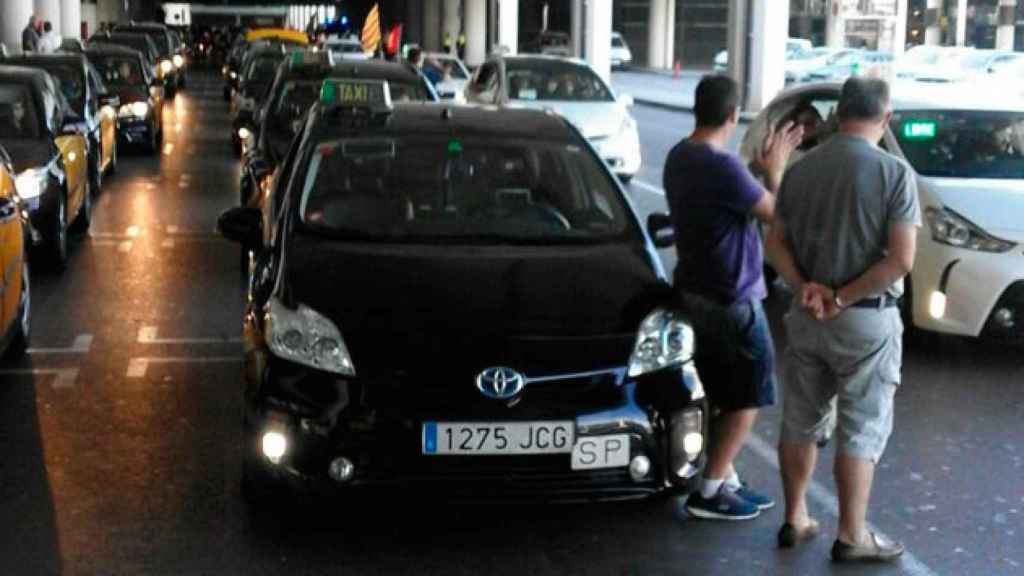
x=961 y=23
x=49 y=11
x=835 y=25
x=90 y=18
x=763 y=76
x=598 y=37
x=16 y=14
x=576 y=30
x=71 y=18
x=508 y=25
x=453 y=21
x=432 y=25
x=475 y=22
x=933 y=23
x=661 y=34
x=899 y=35
x=1005 y=23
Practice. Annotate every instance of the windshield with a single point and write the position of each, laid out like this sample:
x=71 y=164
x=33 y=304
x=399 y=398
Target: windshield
x=262 y=70
x=555 y=80
x=72 y=85
x=617 y=42
x=962 y=144
x=441 y=188
x=445 y=69
x=17 y=114
x=119 y=70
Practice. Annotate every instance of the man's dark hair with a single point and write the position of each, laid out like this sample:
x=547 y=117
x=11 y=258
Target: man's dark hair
x=47 y=26
x=863 y=99
x=414 y=55
x=716 y=99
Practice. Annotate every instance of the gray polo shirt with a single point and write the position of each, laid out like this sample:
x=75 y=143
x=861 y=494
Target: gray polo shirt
x=837 y=203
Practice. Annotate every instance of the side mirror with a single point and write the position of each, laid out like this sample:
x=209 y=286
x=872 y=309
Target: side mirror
x=626 y=100
x=243 y=225
x=112 y=100
x=659 y=227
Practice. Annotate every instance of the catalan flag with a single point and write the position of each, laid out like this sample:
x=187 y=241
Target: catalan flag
x=371 y=30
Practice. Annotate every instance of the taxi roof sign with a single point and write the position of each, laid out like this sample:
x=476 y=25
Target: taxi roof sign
x=356 y=93
x=310 y=58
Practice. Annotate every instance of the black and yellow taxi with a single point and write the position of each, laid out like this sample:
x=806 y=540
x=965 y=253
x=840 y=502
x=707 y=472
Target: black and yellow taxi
x=15 y=292
x=170 y=63
x=142 y=43
x=460 y=302
x=46 y=141
x=140 y=95
x=85 y=90
x=295 y=88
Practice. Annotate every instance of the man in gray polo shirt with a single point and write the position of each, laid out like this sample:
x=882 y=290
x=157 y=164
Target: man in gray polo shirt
x=844 y=238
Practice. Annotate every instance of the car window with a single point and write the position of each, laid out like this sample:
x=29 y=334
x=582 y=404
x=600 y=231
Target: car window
x=72 y=85
x=445 y=69
x=962 y=144
x=18 y=115
x=119 y=70
x=436 y=189
x=261 y=70
x=486 y=81
x=555 y=80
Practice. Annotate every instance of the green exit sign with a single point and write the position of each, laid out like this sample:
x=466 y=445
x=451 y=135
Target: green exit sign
x=919 y=129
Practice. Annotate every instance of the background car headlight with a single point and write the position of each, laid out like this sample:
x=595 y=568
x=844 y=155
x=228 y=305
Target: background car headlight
x=664 y=340
x=166 y=66
x=134 y=109
x=30 y=183
x=304 y=336
x=233 y=75
x=178 y=60
x=952 y=229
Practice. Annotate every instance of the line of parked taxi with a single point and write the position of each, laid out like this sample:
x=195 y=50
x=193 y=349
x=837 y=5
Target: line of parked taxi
x=63 y=118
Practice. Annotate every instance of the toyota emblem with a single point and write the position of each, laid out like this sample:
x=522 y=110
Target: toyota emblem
x=500 y=383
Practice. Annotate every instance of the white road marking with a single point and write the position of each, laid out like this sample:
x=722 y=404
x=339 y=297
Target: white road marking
x=104 y=243
x=167 y=244
x=910 y=564
x=168 y=148
x=125 y=246
x=648 y=187
x=148 y=335
x=65 y=377
x=137 y=367
x=81 y=345
x=171 y=229
x=133 y=231
x=183 y=184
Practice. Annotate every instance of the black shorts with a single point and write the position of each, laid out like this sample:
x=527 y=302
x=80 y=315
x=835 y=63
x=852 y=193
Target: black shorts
x=735 y=355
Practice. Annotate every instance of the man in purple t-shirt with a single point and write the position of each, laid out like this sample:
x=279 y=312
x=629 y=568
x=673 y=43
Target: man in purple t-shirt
x=715 y=203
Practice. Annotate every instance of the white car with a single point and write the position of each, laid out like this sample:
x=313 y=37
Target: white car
x=802 y=63
x=794 y=46
x=571 y=88
x=968 y=154
x=452 y=72
x=621 y=54
x=348 y=48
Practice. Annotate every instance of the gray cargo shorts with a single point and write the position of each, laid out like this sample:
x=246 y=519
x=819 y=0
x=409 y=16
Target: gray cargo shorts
x=845 y=370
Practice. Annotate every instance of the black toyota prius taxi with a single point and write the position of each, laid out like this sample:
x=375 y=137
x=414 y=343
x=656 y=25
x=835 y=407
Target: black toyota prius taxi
x=459 y=302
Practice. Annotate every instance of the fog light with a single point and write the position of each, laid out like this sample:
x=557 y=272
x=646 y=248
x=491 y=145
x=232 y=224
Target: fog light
x=341 y=469
x=1005 y=318
x=244 y=133
x=937 y=305
x=693 y=443
x=639 y=467
x=275 y=444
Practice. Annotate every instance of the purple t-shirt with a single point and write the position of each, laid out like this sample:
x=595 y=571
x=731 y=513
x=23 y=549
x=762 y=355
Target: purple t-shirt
x=710 y=195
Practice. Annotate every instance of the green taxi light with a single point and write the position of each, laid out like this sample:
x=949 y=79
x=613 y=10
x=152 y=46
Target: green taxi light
x=919 y=129
x=454 y=147
x=355 y=93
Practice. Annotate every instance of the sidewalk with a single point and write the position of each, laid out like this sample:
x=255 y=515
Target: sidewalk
x=658 y=87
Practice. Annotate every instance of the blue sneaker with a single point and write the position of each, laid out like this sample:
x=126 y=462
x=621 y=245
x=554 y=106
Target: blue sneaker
x=756 y=498
x=723 y=506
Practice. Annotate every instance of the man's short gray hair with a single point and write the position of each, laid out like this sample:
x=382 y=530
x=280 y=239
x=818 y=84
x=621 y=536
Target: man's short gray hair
x=863 y=99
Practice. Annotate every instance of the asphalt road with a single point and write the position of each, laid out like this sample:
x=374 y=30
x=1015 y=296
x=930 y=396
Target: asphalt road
x=120 y=433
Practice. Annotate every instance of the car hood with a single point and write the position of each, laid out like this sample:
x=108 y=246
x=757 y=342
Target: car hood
x=540 y=309
x=995 y=205
x=128 y=94
x=27 y=154
x=593 y=119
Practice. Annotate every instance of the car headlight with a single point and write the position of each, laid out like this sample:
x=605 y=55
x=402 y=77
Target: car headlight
x=30 y=183
x=233 y=75
x=166 y=66
x=952 y=229
x=306 y=337
x=178 y=60
x=223 y=70
x=664 y=340
x=134 y=109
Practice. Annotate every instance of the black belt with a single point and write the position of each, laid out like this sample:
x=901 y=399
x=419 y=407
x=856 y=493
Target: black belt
x=879 y=303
